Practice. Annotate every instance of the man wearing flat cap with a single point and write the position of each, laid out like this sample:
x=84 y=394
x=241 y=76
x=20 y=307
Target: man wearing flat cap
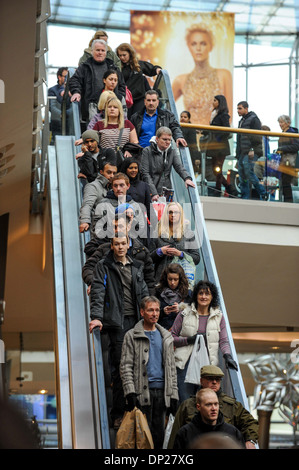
x=233 y=411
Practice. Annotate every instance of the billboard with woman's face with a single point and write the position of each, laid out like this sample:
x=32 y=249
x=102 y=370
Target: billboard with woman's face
x=197 y=51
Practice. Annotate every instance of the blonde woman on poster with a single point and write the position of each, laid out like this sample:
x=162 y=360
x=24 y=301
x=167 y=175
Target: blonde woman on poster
x=204 y=82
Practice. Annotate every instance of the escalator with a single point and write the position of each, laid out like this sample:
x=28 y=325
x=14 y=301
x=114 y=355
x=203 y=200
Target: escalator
x=83 y=384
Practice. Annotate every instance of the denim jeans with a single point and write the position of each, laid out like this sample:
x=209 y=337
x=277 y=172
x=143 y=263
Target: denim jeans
x=248 y=177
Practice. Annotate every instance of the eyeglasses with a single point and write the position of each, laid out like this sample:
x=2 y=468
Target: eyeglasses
x=173 y=212
x=212 y=379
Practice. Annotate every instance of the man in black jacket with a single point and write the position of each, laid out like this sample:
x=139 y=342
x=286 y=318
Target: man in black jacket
x=152 y=117
x=86 y=85
x=249 y=149
x=137 y=250
x=207 y=420
x=117 y=290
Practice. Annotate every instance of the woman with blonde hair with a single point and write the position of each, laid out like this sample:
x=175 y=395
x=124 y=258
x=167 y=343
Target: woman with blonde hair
x=204 y=82
x=175 y=239
x=105 y=96
x=134 y=72
x=115 y=131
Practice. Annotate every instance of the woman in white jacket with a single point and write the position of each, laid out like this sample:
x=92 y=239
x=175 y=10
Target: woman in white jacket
x=202 y=317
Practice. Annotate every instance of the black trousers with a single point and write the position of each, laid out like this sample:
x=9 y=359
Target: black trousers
x=155 y=414
x=116 y=337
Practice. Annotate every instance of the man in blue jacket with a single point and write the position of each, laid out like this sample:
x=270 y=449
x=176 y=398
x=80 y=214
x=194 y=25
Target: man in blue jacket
x=152 y=117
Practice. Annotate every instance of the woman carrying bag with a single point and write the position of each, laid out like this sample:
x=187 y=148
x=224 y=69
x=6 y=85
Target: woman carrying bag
x=202 y=317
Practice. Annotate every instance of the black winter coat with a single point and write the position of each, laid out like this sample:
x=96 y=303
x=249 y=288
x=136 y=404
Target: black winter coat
x=187 y=244
x=136 y=81
x=289 y=144
x=219 y=146
x=83 y=82
x=189 y=432
x=106 y=294
x=136 y=251
x=247 y=141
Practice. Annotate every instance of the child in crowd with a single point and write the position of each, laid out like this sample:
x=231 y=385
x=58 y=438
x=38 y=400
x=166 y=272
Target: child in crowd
x=171 y=291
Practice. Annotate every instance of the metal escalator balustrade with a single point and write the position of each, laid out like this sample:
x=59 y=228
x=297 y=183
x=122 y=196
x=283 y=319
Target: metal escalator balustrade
x=82 y=414
x=190 y=200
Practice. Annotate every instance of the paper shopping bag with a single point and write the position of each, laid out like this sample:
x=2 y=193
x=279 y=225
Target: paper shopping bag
x=125 y=437
x=144 y=438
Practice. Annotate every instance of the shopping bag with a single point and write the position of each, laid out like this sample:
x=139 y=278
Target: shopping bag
x=168 y=430
x=159 y=206
x=126 y=436
x=273 y=162
x=199 y=358
x=188 y=266
x=143 y=435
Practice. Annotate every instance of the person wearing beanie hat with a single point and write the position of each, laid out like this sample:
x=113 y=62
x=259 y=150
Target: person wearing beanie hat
x=233 y=411
x=125 y=207
x=88 y=157
x=90 y=134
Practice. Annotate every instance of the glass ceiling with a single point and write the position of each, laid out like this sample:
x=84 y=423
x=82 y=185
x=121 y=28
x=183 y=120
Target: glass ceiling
x=253 y=17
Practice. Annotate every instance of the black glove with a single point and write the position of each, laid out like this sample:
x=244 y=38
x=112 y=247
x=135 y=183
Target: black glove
x=131 y=401
x=230 y=362
x=174 y=404
x=191 y=339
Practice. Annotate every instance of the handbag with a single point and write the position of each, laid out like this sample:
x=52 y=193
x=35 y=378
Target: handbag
x=143 y=434
x=188 y=266
x=134 y=149
x=126 y=436
x=199 y=358
x=129 y=98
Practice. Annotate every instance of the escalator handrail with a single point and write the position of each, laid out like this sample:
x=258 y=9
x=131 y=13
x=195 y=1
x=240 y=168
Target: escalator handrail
x=96 y=335
x=235 y=376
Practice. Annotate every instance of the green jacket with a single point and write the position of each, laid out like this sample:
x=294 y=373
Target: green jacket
x=233 y=412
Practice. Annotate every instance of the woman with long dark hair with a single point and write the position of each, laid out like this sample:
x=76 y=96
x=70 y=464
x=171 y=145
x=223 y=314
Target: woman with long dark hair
x=172 y=290
x=134 y=72
x=202 y=317
x=218 y=146
x=139 y=190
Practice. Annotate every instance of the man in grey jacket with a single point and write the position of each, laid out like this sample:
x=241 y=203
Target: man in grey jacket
x=147 y=369
x=157 y=161
x=93 y=193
